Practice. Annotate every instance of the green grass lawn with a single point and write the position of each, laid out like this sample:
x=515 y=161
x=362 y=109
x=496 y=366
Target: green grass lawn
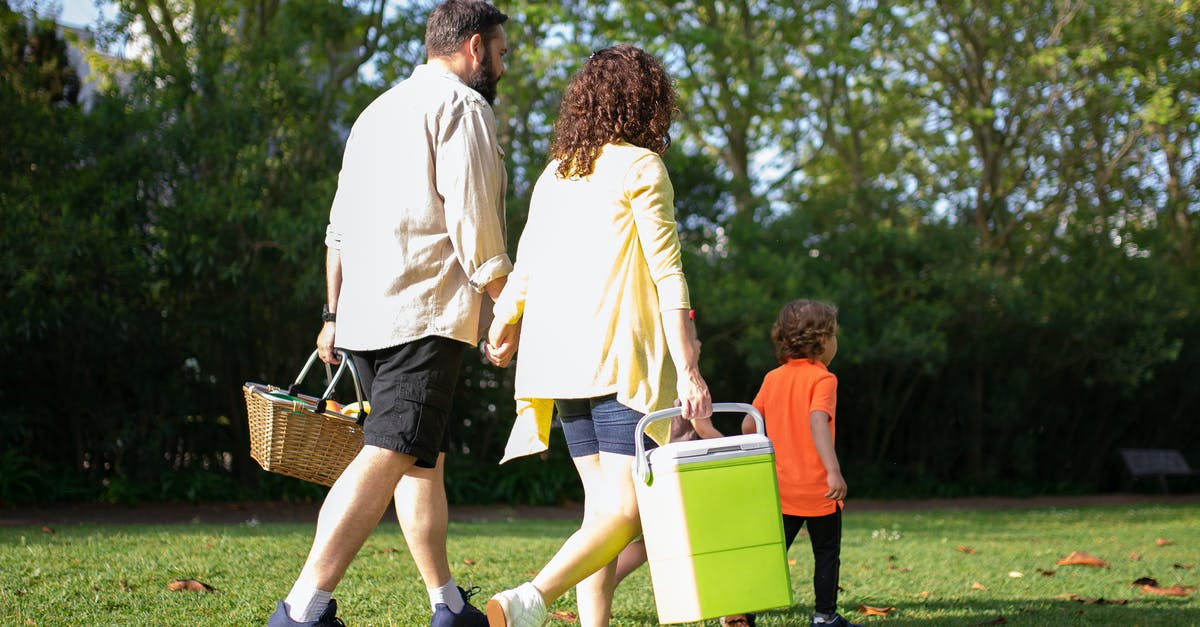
x=920 y=563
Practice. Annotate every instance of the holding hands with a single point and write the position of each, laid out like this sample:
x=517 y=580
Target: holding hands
x=502 y=342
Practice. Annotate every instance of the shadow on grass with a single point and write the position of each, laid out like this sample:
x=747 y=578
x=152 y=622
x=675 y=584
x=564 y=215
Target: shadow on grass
x=1032 y=612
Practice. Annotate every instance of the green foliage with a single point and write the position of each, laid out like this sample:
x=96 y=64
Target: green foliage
x=1001 y=198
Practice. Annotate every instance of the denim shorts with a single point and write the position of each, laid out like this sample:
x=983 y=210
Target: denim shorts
x=410 y=388
x=594 y=425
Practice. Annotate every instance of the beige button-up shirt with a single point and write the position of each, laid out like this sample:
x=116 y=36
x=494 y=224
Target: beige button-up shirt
x=418 y=216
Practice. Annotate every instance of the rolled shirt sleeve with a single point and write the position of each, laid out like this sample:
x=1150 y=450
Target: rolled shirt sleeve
x=652 y=201
x=333 y=237
x=471 y=180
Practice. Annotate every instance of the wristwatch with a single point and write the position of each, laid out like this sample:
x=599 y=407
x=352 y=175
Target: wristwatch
x=326 y=315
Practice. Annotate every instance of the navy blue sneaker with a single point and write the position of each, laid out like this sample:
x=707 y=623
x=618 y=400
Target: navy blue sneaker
x=328 y=618
x=837 y=621
x=470 y=616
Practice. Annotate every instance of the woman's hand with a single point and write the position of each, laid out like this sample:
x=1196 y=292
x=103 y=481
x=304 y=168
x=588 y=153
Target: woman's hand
x=502 y=342
x=693 y=396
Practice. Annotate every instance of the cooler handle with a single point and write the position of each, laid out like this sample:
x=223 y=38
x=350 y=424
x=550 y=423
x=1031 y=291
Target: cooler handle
x=641 y=467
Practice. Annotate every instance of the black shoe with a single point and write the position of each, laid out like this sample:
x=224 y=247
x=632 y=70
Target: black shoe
x=328 y=618
x=838 y=621
x=470 y=616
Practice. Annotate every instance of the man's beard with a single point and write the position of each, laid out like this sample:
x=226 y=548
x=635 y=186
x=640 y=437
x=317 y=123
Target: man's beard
x=483 y=80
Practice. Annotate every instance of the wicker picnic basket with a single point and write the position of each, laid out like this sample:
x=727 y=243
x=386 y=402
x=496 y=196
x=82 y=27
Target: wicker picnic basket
x=304 y=436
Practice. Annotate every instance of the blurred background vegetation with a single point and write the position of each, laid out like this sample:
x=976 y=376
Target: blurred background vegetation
x=1003 y=198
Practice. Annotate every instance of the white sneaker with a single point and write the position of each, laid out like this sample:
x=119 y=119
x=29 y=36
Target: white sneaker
x=522 y=606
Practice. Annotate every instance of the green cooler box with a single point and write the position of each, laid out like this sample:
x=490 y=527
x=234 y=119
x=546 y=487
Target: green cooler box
x=711 y=522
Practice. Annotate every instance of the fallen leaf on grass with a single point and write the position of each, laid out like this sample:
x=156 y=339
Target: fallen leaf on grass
x=978 y=586
x=190 y=585
x=1144 y=581
x=1015 y=574
x=1079 y=558
x=999 y=620
x=1163 y=542
x=565 y=615
x=1045 y=573
x=46 y=529
x=868 y=610
x=965 y=549
x=1134 y=556
x=1087 y=601
x=1182 y=566
x=1174 y=591
x=124 y=585
x=387 y=550
x=469 y=562
x=923 y=594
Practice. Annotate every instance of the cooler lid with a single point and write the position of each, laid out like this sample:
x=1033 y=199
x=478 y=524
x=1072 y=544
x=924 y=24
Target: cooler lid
x=715 y=449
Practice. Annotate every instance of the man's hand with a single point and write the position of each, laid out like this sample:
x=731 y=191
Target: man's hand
x=325 y=348
x=502 y=342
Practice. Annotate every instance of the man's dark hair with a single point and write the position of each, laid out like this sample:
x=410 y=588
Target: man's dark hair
x=455 y=21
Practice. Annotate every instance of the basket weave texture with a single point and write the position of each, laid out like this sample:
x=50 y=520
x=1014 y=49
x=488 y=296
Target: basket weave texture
x=290 y=438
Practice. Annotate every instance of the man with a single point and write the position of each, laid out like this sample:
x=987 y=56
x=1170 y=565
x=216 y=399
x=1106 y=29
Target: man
x=416 y=237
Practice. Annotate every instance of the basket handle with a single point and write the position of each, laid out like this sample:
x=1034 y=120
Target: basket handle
x=345 y=363
x=641 y=469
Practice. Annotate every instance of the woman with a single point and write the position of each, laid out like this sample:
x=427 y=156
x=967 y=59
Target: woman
x=600 y=304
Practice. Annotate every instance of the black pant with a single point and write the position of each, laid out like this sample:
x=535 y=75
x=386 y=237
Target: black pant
x=825 y=532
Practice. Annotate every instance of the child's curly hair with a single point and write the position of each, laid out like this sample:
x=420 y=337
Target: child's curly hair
x=622 y=94
x=802 y=328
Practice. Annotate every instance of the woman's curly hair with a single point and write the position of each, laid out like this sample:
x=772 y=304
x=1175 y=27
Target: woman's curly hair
x=802 y=328
x=621 y=94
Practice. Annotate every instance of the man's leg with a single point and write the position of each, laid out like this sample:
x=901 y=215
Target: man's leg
x=349 y=514
x=423 y=514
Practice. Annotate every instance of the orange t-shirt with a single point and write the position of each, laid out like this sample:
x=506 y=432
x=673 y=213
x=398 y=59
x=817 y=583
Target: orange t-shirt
x=788 y=395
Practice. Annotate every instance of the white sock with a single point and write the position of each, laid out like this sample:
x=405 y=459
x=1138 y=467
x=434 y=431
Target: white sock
x=305 y=603
x=447 y=594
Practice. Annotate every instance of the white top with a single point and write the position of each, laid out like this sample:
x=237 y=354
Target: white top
x=419 y=215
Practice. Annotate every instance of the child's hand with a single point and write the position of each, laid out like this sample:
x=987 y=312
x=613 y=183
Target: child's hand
x=837 y=486
x=705 y=429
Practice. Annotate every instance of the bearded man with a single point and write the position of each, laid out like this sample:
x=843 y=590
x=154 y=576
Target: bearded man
x=416 y=238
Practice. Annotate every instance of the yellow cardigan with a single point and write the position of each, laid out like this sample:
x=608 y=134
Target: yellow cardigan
x=598 y=261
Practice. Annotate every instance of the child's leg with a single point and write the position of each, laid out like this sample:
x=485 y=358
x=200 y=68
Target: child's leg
x=791 y=528
x=826 y=535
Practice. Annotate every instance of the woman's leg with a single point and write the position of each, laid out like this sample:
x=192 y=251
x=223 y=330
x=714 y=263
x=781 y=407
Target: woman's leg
x=594 y=594
x=611 y=523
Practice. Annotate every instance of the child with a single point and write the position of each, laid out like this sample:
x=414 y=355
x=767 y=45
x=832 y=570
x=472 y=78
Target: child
x=798 y=400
